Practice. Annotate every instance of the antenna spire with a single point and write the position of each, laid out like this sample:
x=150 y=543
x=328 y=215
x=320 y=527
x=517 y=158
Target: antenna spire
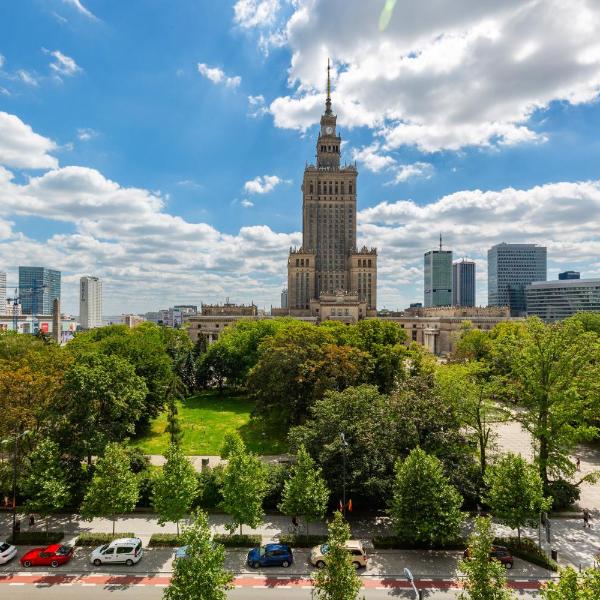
x=440 y=241
x=328 y=101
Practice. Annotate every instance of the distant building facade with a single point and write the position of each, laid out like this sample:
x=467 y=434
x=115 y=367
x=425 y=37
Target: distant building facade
x=284 y=298
x=463 y=283
x=511 y=268
x=2 y=293
x=90 y=302
x=132 y=320
x=38 y=288
x=566 y=275
x=557 y=300
x=437 y=272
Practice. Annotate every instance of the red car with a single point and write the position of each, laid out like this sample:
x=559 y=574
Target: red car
x=52 y=556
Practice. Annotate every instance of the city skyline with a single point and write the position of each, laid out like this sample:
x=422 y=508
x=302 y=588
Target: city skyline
x=168 y=161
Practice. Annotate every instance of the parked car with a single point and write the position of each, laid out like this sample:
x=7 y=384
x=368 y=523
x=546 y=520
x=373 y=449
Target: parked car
x=181 y=552
x=123 y=550
x=500 y=553
x=318 y=555
x=51 y=556
x=270 y=555
x=7 y=552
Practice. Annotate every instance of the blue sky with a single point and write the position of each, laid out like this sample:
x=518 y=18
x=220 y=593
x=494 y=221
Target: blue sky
x=160 y=145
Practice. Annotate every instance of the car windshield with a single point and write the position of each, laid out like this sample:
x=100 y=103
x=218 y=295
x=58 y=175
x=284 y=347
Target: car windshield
x=4 y=547
x=103 y=548
x=324 y=548
x=262 y=550
x=63 y=550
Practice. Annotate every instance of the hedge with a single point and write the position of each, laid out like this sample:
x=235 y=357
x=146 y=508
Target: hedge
x=97 y=539
x=528 y=550
x=165 y=540
x=302 y=541
x=36 y=537
x=238 y=541
x=396 y=543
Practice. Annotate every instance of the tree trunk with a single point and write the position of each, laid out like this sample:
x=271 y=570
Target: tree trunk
x=46 y=520
x=114 y=521
x=544 y=447
x=519 y=535
x=307 y=524
x=240 y=529
x=177 y=528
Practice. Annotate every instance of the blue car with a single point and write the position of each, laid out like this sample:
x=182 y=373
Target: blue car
x=270 y=555
x=181 y=552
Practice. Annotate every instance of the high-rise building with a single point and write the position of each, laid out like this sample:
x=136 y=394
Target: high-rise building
x=463 y=283
x=557 y=300
x=437 y=272
x=90 y=302
x=2 y=293
x=512 y=267
x=284 y=298
x=38 y=288
x=328 y=276
x=565 y=275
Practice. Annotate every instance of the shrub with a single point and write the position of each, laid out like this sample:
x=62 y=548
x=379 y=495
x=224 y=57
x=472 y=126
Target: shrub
x=138 y=461
x=276 y=476
x=238 y=541
x=210 y=482
x=97 y=539
x=146 y=486
x=563 y=494
x=528 y=550
x=302 y=541
x=396 y=543
x=165 y=540
x=36 y=537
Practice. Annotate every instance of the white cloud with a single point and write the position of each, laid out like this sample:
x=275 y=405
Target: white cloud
x=255 y=13
x=217 y=76
x=85 y=134
x=22 y=148
x=63 y=64
x=247 y=203
x=256 y=106
x=441 y=75
x=27 y=77
x=80 y=8
x=410 y=171
x=372 y=158
x=263 y=184
x=2 y=61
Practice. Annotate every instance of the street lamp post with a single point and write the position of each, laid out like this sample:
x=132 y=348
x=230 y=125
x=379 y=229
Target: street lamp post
x=15 y=439
x=344 y=446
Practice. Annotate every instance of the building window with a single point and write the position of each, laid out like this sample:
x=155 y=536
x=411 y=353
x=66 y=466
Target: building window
x=350 y=190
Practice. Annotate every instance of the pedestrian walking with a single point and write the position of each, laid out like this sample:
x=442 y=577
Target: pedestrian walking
x=578 y=463
x=31 y=521
x=586 y=518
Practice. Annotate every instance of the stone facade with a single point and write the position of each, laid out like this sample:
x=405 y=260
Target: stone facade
x=329 y=264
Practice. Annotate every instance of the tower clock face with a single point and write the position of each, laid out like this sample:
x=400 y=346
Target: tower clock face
x=328 y=130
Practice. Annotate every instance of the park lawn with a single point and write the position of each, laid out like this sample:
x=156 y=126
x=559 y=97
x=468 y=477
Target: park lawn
x=205 y=419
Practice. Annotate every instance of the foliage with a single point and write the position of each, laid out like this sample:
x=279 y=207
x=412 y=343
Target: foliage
x=210 y=483
x=113 y=489
x=425 y=507
x=473 y=345
x=515 y=492
x=244 y=488
x=528 y=550
x=384 y=542
x=239 y=540
x=305 y=493
x=98 y=539
x=173 y=427
x=186 y=371
x=202 y=575
x=300 y=540
x=277 y=475
x=46 y=485
x=485 y=579
x=232 y=444
x=338 y=580
x=174 y=488
x=165 y=540
x=573 y=586
x=35 y=538
x=138 y=461
x=563 y=493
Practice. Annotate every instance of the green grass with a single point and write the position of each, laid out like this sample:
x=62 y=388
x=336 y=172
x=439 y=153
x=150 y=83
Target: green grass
x=205 y=419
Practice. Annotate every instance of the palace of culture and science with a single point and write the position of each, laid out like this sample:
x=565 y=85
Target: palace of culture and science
x=328 y=276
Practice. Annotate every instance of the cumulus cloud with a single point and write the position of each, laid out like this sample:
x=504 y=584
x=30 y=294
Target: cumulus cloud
x=441 y=76
x=218 y=76
x=411 y=171
x=22 y=148
x=85 y=134
x=263 y=184
x=247 y=203
x=256 y=106
x=255 y=13
x=375 y=161
x=63 y=64
x=27 y=77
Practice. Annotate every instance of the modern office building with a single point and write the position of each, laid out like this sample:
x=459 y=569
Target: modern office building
x=565 y=275
x=511 y=268
x=90 y=302
x=38 y=288
x=557 y=300
x=284 y=298
x=437 y=271
x=463 y=283
x=2 y=293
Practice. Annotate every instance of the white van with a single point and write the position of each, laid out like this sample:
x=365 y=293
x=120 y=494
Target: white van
x=124 y=550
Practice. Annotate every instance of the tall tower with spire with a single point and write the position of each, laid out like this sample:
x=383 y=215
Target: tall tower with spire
x=328 y=266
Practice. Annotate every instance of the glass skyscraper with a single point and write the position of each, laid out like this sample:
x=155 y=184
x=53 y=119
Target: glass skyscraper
x=463 y=283
x=438 y=278
x=38 y=287
x=511 y=268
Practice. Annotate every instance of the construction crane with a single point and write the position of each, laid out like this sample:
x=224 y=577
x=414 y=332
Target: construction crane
x=20 y=293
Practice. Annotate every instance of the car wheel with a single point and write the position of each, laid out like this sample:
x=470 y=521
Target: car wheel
x=509 y=565
x=356 y=565
x=97 y=562
x=320 y=564
x=54 y=564
x=285 y=564
x=255 y=565
x=129 y=562
x=27 y=563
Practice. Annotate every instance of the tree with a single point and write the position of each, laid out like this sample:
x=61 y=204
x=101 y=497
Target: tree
x=175 y=488
x=555 y=375
x=201 y=574
x=425 y=508
x=485 y=579
x=46 y=484
x=113 y=489
x=573 y=586
x=244 y=488
x=515 y=492
x=175 y=390
x=305 y=493
x=187 y=371
x=338 y=580
x=232 y=444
